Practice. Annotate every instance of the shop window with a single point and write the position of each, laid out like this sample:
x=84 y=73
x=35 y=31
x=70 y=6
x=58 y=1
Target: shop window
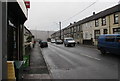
x=103 y=21
x=115 y=18
x=11 y=42
x=97 y=34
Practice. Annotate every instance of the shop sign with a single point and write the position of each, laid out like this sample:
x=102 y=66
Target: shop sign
x=27 y=3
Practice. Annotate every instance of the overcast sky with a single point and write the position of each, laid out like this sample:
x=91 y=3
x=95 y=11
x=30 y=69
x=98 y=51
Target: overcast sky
x=46 y=14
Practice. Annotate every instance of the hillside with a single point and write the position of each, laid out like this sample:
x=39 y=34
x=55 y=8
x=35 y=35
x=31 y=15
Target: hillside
x=42 y=34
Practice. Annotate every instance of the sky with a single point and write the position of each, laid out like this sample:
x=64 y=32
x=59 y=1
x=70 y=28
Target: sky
x=46 y=14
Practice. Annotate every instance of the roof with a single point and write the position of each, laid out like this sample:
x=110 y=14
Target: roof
x=101 y=14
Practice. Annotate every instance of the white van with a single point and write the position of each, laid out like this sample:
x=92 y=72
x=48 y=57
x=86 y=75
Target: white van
x=69 y=41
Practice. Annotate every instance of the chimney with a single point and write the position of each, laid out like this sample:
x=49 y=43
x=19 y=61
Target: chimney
x=74 y=22
x=93 y=13
x=70 y=23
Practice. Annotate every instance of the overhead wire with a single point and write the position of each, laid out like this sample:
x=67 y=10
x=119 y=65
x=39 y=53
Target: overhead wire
x=80 y=12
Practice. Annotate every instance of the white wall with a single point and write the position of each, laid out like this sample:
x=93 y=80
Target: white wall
x=88 y=30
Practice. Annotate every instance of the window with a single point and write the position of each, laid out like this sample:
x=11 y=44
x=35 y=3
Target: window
x=97 y=34
x=86 y=35
x=103 y=21
x=110 y=38
x=96 y=23
x=116 y=30
x=74 y=29
x=105 y=31
x=78 y=28
x=115 y=18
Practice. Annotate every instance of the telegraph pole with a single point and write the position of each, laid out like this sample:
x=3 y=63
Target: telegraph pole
x=48 y=33
x=119 y=2
x=60 y=29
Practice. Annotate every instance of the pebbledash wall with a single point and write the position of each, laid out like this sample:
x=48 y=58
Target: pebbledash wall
x=87 y=31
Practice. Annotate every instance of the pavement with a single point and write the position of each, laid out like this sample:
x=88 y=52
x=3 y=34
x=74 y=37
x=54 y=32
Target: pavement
x=38 y=68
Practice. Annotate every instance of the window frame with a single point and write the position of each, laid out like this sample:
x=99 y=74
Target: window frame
x=105 y=31
x=95 y=34
x=116 y=30
x=96 y=22
x=103 y=21
x=116 y=22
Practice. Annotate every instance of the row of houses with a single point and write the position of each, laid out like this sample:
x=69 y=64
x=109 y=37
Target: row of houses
x=87 y=31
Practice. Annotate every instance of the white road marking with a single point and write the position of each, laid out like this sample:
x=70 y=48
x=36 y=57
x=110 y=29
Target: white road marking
x=91 y=57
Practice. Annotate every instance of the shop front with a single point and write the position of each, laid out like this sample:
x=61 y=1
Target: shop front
x=12 y=18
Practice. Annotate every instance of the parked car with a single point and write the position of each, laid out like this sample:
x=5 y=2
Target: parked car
x=52 y=40
x=58 y=41
x=69 y=41
x=109 y=43
x=43 y=44
x=39 y=41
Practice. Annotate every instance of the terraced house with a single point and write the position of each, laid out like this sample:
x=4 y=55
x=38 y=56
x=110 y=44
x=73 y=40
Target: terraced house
x=87 y=31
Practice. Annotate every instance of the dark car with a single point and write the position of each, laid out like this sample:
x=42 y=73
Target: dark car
x=109 y=43
x=43 y=44
x=59 y=41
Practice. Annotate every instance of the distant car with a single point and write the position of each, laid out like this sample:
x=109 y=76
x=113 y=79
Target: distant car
x=52 y=40
x=59 y=41
x=109 y=43
x=43 y=44
x=69 y=41
x=39 y=41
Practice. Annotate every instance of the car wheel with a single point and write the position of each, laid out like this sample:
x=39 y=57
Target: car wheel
x=65 y=45
x=74 y=45
x=102 y=51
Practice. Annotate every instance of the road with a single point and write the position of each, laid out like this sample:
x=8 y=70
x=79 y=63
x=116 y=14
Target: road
x=80 y=62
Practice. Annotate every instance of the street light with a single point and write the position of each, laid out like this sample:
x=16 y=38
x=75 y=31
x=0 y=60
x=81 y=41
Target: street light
x=59 y=27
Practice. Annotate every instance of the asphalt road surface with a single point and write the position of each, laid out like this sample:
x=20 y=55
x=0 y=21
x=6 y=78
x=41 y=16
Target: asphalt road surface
x=80 y=62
